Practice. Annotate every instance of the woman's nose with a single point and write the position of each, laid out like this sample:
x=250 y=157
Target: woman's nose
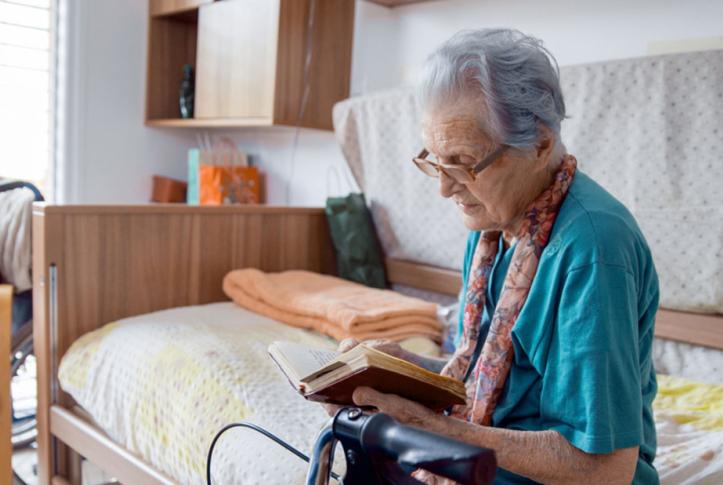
x=447 y=185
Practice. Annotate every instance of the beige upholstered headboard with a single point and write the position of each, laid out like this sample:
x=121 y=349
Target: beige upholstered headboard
x=650 y=130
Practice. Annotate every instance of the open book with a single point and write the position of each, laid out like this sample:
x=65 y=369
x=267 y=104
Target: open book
x=329 y=376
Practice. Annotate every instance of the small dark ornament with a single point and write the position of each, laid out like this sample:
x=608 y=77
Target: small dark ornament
x=187 y=92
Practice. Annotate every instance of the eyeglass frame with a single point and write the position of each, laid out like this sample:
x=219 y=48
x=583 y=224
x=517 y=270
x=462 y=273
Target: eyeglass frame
x=471 y=171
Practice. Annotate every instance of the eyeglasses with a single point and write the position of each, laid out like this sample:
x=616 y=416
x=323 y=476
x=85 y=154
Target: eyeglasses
x=458 y=173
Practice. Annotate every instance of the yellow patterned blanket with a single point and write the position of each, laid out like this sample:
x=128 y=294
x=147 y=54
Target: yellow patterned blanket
x=163 y=384
x=689 y=422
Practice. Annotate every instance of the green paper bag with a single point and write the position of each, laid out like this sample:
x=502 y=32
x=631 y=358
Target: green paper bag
x=358 y=254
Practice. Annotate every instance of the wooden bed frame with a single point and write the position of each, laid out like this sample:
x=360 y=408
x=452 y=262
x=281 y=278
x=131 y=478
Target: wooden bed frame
x=6 y=325
x=96 y=264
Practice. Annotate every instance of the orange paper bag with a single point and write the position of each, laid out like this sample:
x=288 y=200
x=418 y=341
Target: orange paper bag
x=224 y=176
x=235 y=184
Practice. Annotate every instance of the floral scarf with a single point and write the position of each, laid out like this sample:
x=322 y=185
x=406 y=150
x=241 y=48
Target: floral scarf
x=485 y=383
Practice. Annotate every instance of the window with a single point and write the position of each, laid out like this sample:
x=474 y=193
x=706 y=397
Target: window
x=26 y=91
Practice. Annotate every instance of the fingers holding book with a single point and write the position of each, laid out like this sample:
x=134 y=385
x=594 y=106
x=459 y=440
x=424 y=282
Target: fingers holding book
x=347 y=344
x=389 y=347
x=394 y=349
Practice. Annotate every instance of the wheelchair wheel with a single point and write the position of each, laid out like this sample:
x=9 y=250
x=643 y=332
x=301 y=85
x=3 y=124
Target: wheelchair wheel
x=24 y=394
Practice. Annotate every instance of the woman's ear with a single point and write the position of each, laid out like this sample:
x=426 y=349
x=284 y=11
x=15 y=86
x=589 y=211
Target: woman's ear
x=544 y=146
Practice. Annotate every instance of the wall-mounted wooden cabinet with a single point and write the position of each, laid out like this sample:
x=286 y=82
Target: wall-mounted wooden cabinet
x=389 y=3
x=249 y=57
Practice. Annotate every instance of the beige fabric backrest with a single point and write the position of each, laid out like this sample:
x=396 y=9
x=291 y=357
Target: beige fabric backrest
x=650 y=130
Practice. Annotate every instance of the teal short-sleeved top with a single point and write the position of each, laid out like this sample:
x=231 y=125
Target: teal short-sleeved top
x=583 y=340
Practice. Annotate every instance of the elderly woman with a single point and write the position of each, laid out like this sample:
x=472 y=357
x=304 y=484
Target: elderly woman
x=560 y=291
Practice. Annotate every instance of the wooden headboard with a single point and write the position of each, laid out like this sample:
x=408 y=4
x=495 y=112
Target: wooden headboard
x=692 y=328
x=95 y=264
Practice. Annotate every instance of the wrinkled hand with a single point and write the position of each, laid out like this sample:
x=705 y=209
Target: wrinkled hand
x=389 y=347
x=347 y=344
x=344 y=346
x=386 y=346
x=406 y=412
x=383 y=345
x=403 y=410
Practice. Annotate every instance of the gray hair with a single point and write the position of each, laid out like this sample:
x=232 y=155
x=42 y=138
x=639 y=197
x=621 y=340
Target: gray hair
x=517 y=76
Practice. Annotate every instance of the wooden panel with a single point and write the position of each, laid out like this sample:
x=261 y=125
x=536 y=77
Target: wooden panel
x=210 y=122
x=40 y=208
x=118 y=265
x=237 y=59
x=424 y=277
x=6 y=448
x=330 y=68
x=166 y=7
x=693 y=328
x=95 y=445
x=171 y=44
x=697 y=329
x=118 y=261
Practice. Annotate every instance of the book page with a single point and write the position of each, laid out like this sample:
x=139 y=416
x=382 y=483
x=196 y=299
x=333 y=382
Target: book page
x=303 y=359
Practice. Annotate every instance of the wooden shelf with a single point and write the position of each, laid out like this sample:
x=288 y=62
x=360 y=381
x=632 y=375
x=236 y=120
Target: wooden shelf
x=248 y=57
x=396 y=3
x=210 y=123
x=159 y=8
x=171 y=45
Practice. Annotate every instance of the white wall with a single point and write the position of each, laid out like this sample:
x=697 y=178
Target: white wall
x=110 y=156
x=576 y=31
x=107 y=153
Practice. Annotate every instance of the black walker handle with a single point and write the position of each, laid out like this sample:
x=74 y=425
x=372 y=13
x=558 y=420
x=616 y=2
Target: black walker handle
x=379 y=450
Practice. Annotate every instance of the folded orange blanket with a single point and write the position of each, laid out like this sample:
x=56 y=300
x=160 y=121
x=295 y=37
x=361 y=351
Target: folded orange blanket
x=332 y=306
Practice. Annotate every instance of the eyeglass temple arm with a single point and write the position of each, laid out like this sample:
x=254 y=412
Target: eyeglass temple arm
x=489 y=159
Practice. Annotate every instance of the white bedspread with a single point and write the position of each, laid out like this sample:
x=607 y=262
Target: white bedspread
x=689 y=423
x=163 y=384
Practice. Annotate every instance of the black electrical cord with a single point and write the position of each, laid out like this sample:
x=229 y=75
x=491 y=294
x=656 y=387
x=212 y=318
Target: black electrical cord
x=258 y=429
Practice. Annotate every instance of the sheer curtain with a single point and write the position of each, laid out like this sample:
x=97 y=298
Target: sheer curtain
x=26 y=91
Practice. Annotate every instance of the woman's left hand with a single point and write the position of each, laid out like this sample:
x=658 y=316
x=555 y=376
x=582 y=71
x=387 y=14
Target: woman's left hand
x=403 y=410
x=406 y=412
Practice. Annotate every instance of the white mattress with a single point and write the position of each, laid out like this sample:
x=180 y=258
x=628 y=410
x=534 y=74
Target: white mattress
x=162 y=384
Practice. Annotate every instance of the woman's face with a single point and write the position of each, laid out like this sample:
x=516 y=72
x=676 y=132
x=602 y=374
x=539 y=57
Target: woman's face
x=498 y=196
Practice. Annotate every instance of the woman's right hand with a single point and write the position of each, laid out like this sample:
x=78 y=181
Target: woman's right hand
x=390 y=347
x=344 y=346
x=386 y=346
